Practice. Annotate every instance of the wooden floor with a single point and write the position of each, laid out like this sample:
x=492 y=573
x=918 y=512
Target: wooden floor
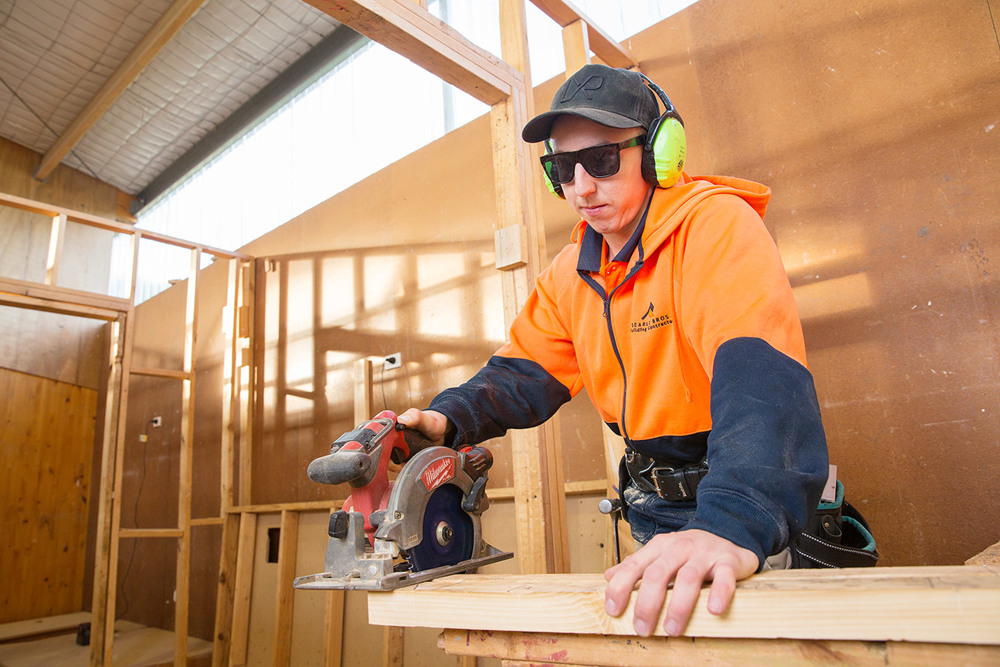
x=52 y=641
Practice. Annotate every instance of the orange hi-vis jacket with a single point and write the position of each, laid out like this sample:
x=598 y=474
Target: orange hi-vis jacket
x=689 y=345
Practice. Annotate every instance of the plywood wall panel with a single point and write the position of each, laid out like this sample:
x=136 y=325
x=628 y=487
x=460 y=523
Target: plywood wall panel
x=874 y=124
x=45 y=477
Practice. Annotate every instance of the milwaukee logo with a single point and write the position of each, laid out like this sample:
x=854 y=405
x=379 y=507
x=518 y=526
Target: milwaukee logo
x=650 y=321
x=592 y=83
x=437 y=473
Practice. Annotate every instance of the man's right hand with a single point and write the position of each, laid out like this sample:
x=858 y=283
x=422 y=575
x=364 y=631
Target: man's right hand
x=432 y=424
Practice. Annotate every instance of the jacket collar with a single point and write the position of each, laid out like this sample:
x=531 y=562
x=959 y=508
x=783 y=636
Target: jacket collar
x=592 y=246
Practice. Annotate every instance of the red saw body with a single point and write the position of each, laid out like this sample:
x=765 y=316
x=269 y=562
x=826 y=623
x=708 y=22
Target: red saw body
x=430 y=515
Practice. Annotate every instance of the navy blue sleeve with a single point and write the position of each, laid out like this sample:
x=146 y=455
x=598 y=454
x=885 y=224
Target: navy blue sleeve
x=767 y=455
x=506 y=393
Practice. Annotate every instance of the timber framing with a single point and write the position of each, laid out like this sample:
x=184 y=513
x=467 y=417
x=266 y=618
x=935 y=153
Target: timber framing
x=119 y=313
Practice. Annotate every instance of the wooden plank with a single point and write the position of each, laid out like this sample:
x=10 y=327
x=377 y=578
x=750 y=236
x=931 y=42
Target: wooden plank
x=208 y=521
x=64 y=295
x=121 y=422
x=584 y=488
x=576 y=46
x=102 y=549
x=603 y=44
x=226 y=594
x=47 y=625
x=55 y=249
x=954 y=604
x=287 y=548
x=543 y=544
x=161 y=373
x=50 y=210
x=230 y=387
x=619 y=651
x=58 y=307
x=414 y=33
x=109 y=509
x=242 y=585
x=148 y=47
x=392 y=647
x=333 y=624
x=302 y=506
x=185 y=465
x=364 y=403
x=133 y=533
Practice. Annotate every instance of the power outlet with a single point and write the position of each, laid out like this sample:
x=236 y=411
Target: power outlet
x=394 y=360
x=156 y=422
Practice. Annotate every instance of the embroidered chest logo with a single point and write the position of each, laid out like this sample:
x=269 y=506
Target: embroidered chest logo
x=650 y=320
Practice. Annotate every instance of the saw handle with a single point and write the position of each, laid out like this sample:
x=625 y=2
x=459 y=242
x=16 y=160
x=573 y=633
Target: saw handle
x=414 y=441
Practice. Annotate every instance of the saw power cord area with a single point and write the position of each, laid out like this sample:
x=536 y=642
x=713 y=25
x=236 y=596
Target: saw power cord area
x=381 y=383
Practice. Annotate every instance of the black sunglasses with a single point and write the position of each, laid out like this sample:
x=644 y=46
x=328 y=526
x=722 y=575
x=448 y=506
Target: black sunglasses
x=599 y=161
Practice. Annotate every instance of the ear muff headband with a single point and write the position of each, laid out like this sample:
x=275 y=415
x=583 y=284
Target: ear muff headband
x=665 y=151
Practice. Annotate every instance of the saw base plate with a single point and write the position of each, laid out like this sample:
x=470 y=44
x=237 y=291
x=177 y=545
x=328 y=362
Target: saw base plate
x=328 y=581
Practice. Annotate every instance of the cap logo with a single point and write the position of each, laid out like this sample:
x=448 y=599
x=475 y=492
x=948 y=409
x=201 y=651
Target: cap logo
x=591 y=84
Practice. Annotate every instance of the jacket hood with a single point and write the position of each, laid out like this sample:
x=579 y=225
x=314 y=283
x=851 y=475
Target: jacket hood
x=674 y=204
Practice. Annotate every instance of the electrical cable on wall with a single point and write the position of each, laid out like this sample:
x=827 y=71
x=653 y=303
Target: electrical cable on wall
x=135 y=524
x=381 y=382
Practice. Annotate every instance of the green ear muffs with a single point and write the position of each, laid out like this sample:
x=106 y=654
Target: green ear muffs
x=665 y=151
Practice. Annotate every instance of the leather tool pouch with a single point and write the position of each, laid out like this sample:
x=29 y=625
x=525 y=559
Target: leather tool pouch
x=836 y=536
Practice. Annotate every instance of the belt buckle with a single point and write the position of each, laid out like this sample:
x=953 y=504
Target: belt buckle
x=656 y=480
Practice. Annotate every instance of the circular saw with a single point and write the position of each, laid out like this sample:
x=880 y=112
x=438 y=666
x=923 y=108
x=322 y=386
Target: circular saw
x=424 y=525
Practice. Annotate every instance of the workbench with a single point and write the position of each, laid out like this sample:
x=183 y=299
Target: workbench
x=903 y=615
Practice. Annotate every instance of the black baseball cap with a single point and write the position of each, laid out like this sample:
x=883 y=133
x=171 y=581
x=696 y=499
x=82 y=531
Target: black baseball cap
x=605 y=95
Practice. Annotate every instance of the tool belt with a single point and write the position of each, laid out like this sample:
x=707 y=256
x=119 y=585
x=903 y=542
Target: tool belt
x=675 y=481
x=835 y=536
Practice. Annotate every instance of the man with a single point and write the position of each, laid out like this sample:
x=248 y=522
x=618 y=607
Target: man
x=672 y=308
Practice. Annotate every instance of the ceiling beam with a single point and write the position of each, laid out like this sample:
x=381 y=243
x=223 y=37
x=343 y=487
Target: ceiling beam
x=162 y=32
x=602 y=44
x=415 y=34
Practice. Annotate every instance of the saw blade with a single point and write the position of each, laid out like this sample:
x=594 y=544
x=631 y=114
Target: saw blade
x=449 y=534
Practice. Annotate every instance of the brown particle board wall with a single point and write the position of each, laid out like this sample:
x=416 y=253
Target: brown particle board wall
x=875 y=125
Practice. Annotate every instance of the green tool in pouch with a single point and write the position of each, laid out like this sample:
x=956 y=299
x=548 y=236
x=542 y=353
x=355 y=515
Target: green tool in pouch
x=836 y=536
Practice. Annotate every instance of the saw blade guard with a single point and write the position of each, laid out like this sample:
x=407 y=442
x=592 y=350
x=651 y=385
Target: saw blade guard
x=428 y=471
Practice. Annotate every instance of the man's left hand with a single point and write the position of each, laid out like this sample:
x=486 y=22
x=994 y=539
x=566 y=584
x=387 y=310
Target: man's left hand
x=688 y=558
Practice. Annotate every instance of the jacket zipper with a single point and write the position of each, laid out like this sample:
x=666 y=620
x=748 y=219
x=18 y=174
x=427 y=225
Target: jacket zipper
x=614 y=345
